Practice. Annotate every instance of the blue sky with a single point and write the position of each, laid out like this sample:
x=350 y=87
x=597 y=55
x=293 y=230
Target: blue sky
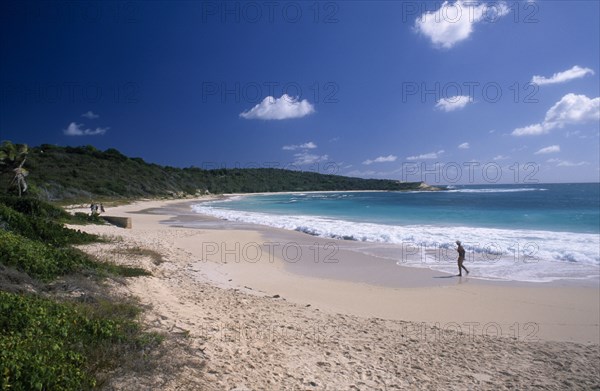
x=447 y=92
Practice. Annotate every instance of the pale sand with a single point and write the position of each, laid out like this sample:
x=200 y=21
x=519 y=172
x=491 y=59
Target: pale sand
x=325 y=333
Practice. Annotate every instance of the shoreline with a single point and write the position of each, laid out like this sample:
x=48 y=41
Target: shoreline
x=414 y=294
x=411 y=294
x=429 y=258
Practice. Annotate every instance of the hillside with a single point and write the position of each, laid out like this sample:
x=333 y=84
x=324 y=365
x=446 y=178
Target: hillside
x=57 y=173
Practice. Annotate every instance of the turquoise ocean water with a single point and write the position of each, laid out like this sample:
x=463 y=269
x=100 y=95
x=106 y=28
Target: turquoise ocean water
x=538 y=232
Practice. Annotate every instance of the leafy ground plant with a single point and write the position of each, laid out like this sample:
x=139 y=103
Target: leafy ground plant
x=47 y=345
x=42 y=229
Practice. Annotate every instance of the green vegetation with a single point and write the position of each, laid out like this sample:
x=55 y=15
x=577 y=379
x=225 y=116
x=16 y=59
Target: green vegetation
x=34 y=226
x=52 y=341
x=37 y=259
x=12 y=159
x=58 y=173
x=49 y=345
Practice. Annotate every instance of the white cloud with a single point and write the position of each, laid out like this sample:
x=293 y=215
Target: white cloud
x=571 y=109
x=304 y=157
x=464 y=146
x=454 y=22
x=453 y=103
x=279 y=108
x=562 y=77
x=77 y=130
x=566 y=163
x=550 y=149
x=308 y=145
x=501 y=157
x=424 y=156
x=531 y=130
x=90 y=115
x=381 y=159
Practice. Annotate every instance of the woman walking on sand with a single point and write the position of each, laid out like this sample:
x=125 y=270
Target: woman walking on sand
x=461 y=258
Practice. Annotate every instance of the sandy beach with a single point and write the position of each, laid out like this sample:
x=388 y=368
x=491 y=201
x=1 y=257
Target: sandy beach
x=255 y=308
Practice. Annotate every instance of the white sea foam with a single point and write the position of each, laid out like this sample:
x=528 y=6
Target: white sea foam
x=522 y=255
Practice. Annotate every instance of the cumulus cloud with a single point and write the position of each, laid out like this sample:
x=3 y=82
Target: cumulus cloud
x=571 y=109
x=381 y=159
x=464 y=146
x=454 y=22
x=279 y=108
x=308 y=145
x=550 y=149
x=531 y=130
x=562 y=77
x=424 y=156
x=75 y=129
x=453 y=103
x=90 y=115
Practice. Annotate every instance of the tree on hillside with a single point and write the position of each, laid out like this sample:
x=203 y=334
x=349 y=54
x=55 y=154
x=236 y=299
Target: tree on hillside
x=12 y=159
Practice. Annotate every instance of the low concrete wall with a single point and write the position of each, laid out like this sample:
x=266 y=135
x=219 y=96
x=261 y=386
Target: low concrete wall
x=123 y=222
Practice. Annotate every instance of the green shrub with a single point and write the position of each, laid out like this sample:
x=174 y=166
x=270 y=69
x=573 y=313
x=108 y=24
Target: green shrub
x=121 y=270
x=45 y=262
x=85 y=218
x=42 y=229
x=47 y=345
x=35 y=208
x=38 y=259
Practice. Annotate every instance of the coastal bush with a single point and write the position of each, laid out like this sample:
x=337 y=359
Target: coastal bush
x=37 y=259
x=49 y=345
x=110 y=268
x=45 y=262
x=42 y=229
x=34 y=207
x=84 y=218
